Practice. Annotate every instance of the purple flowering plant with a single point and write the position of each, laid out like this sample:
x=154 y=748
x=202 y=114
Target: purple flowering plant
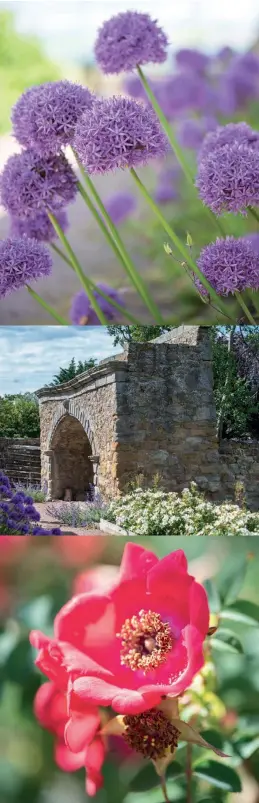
x=18 y=515
x=180 y=112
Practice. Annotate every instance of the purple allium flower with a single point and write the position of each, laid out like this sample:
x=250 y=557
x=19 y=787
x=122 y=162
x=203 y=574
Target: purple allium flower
x=44 y=118
x=228 y=178
x=229 y=265
x=132 y=86
x=21 y=262
x=191 y=132
x=191 y=59
x=243 y=76
x=225 y=53
x=165 y=193
x=120 y=205
x=39 y=227
x=82 y=313
x=253 y=239
x=185 y=92
x=166 y=189
x=30 y=183
x=127 y=40
x=119 y=133
x=229 y=134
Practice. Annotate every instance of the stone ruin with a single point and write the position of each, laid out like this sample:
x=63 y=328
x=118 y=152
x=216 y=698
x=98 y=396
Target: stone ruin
x=147 y=411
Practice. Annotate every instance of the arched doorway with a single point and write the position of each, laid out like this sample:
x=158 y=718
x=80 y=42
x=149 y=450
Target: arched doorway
x=71 y=466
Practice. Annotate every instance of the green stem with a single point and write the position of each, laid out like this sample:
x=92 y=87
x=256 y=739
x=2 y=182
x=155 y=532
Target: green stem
x=164 y=790
x=179 y=153
x=247 y=312
x=100 y=222
x=46 y=306
x=77 y=267
x=189 y=773
x=254 y=214
x=97 y=289
x=254 y=298
x=181 y=247
x=129 y=266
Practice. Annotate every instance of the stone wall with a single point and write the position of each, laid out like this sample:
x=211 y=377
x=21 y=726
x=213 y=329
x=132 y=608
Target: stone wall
x=20 y=459
x=240 y=471
x=148 y=411
x=90 y=399
x=166 y=416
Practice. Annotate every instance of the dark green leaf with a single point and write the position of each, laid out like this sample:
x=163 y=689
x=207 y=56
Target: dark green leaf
x=246 y=746
x=213 y=737
x=36 y=614
x=19 y=663
x=219 y=775
x=226 y=641
x=232 y=582
x=213 y=596
x=242 y=611
x=147 y=777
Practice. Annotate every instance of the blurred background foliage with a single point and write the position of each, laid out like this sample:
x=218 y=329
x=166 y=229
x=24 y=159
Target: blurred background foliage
x=22 y=63
x=37 y=576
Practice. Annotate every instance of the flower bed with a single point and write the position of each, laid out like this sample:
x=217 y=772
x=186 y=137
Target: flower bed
x=154 y=512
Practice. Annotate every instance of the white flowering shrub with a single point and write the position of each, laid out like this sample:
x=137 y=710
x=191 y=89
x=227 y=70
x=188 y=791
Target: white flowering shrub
x=154 y=512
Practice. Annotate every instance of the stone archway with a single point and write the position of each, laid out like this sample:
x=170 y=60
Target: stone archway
x=71 y=460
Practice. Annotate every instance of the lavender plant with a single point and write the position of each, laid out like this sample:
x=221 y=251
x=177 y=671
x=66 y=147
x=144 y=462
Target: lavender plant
x=126 y=133
x=83 y=514
x=18 y=516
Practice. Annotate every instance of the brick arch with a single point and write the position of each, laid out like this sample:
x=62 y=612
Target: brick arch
x=71 y=408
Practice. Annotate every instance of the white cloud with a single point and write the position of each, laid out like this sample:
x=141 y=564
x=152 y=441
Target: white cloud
x=31 y=355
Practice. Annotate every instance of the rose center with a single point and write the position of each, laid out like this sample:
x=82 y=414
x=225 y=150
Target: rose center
x=150 y=733
x=145 y=641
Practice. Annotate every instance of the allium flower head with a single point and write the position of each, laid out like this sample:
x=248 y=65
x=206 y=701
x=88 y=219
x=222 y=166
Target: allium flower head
x=186 y=91
x=253 y=238
x=119 y=133
x=21 y=262
x=129 y=39
x=192 y=132
x=39 y=227
x=82 y=313
x=228 y=178
x=31 y=183
x=240 y=133
x=44 y=118
x=120 y=205
x=229 y=265
x=191 y=59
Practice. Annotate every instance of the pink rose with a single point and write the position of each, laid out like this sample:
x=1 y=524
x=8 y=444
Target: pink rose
x=133 y=644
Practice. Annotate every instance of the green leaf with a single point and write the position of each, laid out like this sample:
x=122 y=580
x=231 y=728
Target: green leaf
x=213 y=596
x=232 y=583
x=19 y=663
x=36 y=614
x=147 y=777
x=226 y=641
x=219 y=775
x=243 y=611
x=246 y=746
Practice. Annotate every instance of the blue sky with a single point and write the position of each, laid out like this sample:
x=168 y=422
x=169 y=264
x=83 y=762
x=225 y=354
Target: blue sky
x=68 y=27
x=31 y=355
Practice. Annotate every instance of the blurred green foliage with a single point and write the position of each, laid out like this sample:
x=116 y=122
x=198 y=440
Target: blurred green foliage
x=19 y=416
x=22 y=64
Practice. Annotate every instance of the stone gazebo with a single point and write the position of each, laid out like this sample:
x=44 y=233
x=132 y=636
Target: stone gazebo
x=149 y=410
